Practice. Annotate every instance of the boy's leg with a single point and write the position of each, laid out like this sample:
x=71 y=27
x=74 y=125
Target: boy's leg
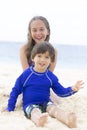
x=38 y=118
x=67 y=118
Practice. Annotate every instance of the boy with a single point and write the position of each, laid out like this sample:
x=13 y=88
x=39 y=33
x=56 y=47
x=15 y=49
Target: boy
x=35 y=84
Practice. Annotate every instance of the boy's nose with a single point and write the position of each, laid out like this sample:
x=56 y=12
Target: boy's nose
x=42 y=59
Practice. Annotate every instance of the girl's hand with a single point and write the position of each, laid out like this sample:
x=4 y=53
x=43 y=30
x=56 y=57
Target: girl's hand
x=79 y=84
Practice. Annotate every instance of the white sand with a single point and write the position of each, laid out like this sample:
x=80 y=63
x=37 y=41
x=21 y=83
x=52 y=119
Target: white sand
x=17 y=121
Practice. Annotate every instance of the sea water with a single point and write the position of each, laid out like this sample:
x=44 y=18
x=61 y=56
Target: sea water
x=69 y=56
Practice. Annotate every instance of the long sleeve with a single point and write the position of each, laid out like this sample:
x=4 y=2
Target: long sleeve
x=60 y=90
x=16 y=90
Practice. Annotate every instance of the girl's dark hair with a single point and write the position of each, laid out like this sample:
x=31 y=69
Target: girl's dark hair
x=31 y=42
x=42 y=48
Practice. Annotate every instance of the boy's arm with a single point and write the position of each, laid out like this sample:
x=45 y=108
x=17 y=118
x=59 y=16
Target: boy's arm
x=61 y=91
x=16 y=90
x=65 y=92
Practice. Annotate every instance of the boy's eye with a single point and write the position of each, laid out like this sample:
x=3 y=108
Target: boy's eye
x=39 y=55
x=47 y=57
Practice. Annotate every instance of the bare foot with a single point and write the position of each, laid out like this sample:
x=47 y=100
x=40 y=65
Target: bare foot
x=72 y=120
x=42 y=119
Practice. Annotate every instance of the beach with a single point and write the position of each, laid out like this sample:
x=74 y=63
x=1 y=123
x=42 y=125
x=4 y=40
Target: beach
x=17 y=120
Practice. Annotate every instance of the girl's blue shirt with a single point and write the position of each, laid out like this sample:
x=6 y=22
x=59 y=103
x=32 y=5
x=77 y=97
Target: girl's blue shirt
x=35 y=88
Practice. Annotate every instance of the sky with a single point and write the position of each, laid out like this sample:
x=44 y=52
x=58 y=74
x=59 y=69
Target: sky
x=67 y=19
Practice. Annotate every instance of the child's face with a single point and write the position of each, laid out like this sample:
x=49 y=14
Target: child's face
x=41 y=61
x=39 y=31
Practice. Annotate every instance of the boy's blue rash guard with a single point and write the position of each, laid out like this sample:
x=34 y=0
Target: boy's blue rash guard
x=36 y=88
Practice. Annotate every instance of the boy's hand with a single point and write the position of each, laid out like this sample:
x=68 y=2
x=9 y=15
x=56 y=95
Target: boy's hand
x=4 y=110
x=79 y=84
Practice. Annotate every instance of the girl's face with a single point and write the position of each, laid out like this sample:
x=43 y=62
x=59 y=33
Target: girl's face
x=39 y=31
x=41 y=61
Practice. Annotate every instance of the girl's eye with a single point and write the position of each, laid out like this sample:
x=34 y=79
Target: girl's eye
x=41 y=29
x=34 y=30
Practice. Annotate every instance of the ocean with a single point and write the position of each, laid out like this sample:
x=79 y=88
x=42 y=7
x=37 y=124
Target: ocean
x=69 y=56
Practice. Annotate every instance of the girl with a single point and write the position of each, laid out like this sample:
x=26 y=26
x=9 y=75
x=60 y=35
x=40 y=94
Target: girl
x=38 y=31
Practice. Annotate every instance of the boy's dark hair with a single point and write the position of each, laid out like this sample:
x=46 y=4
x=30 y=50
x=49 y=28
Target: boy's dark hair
x=42 y=48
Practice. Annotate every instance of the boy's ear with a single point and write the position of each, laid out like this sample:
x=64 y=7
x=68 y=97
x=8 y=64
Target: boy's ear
x=32 y=61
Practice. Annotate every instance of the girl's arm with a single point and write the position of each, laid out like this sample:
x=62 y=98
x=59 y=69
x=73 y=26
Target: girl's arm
x=23 y=57
x=53 y=96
